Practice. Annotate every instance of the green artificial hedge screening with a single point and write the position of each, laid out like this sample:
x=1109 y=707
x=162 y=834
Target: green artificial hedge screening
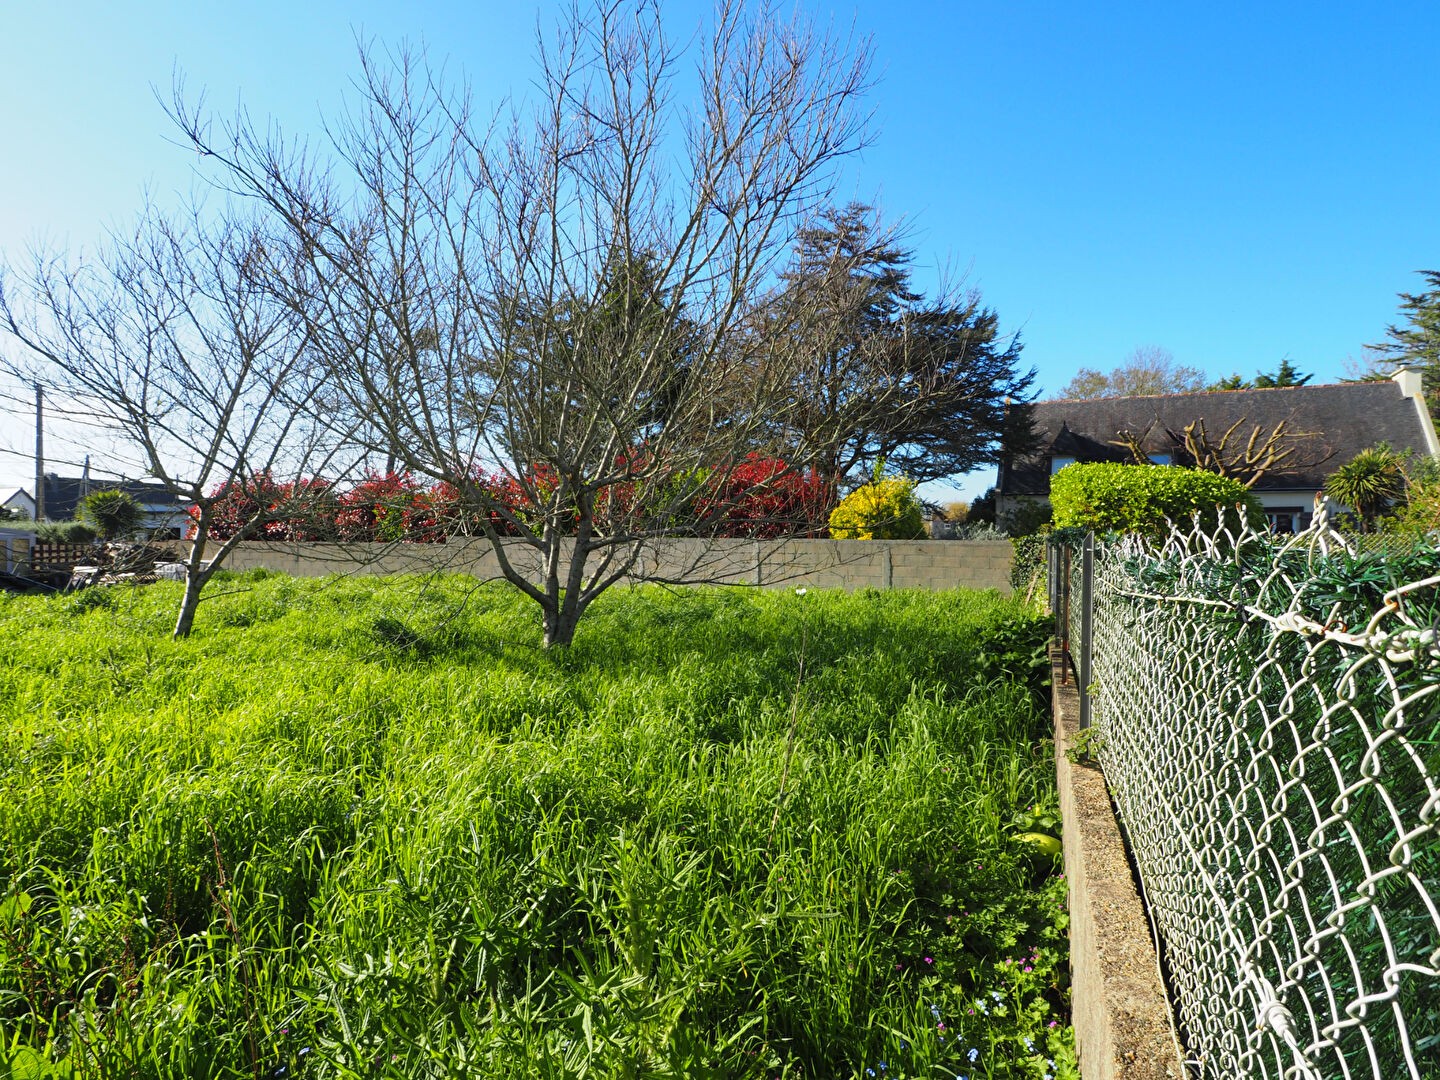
x=1110 y=497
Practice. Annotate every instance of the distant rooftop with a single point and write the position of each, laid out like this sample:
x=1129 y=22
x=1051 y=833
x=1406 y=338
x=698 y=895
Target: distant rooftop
x=63 y=494
x=1330 y=423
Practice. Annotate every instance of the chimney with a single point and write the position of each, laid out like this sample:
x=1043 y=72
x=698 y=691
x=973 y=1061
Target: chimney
x=1411 y=386
x=1409 y=380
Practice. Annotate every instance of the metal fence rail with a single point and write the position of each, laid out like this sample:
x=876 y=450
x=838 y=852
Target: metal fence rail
x=1267 y=718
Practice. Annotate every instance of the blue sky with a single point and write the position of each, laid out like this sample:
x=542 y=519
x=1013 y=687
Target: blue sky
x=1233 y=182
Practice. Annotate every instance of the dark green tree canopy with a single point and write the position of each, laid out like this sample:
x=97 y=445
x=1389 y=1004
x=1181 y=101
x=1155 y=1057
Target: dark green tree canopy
x=1284 y=375
x=951 y=379
x=1417 y=342
x=1233 y=381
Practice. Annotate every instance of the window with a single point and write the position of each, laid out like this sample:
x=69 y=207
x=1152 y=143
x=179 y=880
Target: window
x=1058 y=463
x=1286 y=519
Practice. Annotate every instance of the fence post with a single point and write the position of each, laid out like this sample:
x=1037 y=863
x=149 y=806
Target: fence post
x=1052 y=564
x=1087 y=624
x=1062 y=585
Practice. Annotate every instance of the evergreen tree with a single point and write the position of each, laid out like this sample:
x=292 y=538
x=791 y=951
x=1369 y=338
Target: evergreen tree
x=1285 y=375
x=1419 y=342
x=951 y=383
x=1232 y=382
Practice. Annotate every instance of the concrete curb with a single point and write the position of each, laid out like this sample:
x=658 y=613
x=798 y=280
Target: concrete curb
x=1118 y=1005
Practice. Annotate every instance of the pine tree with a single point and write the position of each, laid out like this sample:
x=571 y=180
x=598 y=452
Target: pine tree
x=1285 y=375
x=951 y=383
x=1419 y=342
x=1232 y=382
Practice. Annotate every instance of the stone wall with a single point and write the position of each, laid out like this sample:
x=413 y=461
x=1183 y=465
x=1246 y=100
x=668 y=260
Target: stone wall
x=845 y=564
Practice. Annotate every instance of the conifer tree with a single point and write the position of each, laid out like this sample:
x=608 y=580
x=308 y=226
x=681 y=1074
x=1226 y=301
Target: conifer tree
x=1284 y=375
x=951 y=382
x=1418 y=342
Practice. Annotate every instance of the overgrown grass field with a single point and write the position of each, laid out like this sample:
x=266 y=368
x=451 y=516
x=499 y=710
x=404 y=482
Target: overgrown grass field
x=369 y=828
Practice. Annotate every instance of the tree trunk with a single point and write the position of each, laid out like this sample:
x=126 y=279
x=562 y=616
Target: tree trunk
x=560 y=626
x=186 y=619
x=196 y=575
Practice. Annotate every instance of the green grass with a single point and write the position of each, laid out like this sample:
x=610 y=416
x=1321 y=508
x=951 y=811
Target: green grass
x=370 y=828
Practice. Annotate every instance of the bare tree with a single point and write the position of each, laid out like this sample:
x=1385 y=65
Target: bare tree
x=173 y=339
x=1241 y=454
x=1248 y=456
x=568 y=292
x=1148 y=370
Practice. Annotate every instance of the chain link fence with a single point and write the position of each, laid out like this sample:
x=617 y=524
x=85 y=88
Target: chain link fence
x=1266 y=716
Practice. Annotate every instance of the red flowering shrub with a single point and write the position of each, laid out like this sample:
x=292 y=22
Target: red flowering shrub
x=758 y=498
x=393 y=507
x=500 y=490
x=294 y=510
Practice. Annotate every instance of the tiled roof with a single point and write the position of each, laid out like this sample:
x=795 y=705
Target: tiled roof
x=1341 y=420
x=62 y=494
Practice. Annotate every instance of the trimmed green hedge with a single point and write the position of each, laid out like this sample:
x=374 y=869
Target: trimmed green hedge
x=1110 y=497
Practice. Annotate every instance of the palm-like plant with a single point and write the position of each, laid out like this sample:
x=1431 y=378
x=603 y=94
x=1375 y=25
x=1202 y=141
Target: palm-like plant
x=1368 y=483
x=112 y=513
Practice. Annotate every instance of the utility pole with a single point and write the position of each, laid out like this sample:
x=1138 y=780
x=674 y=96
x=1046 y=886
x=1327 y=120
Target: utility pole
x=39 y=453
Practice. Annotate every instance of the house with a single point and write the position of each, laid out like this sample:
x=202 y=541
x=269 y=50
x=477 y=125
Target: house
x=1293 y=436
x=12 y=499
x=164 y=512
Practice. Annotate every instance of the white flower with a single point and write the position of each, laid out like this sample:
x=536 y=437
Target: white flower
x=801 y=591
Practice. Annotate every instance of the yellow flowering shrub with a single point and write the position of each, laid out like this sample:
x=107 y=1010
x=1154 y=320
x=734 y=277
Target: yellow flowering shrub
x=880 y=510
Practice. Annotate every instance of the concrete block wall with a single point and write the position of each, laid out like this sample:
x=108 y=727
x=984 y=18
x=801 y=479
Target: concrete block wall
x=844 y=564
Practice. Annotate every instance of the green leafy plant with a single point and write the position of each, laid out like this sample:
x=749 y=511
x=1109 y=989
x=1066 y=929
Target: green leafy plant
x=113 y=514
x=1369 y=483
x=65 y=532
x=1110 y=497
x=1085 y=746
x=1017 y=649
x=1028 y=563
